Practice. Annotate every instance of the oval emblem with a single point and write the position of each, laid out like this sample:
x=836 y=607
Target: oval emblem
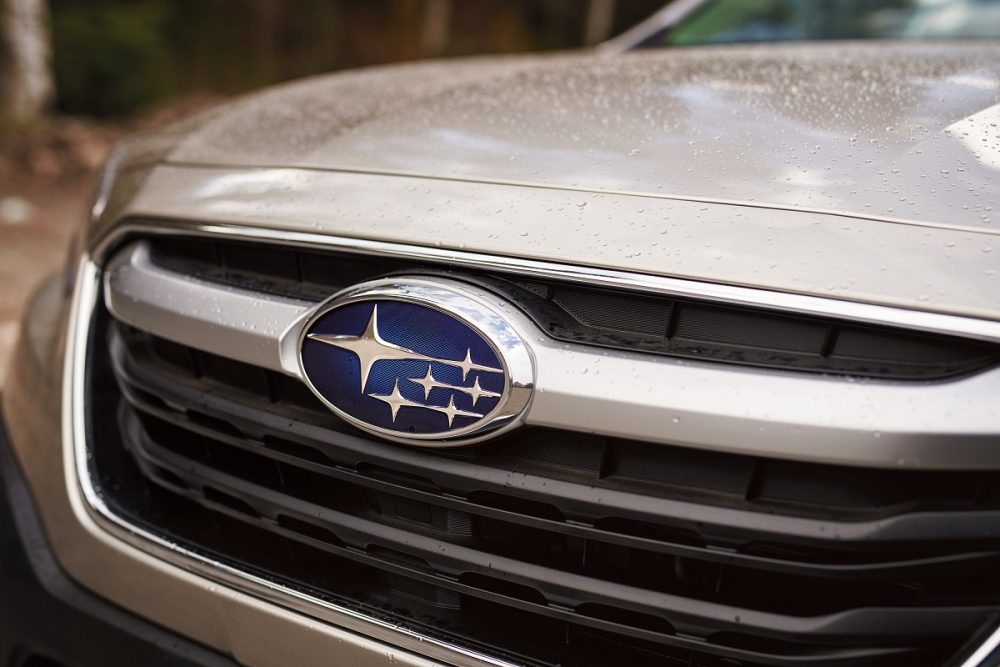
x=425 y=361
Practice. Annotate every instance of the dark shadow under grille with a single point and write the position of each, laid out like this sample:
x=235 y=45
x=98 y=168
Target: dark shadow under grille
x=608 y=318
x=544 y=546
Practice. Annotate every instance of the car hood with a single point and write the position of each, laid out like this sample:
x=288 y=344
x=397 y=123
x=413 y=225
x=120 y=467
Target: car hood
x=867 y=173
x=895 y=131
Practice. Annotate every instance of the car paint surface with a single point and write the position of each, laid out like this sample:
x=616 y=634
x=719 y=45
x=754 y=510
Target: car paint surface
x=411 y=155
x=888 y=130
x=858 y=171
x=902 y=265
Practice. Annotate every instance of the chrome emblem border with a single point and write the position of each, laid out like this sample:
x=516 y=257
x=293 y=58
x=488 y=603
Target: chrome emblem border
x=475 y=308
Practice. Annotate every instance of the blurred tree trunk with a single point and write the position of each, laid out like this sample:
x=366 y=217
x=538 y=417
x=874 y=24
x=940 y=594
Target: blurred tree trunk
x=437 y=28
x=600 y=21
x=26 y=87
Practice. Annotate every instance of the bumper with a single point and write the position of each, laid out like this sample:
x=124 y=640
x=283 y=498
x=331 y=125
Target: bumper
x=44 y=614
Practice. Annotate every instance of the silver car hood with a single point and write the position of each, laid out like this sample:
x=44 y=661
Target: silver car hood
x=861 y=172
x=895 y=131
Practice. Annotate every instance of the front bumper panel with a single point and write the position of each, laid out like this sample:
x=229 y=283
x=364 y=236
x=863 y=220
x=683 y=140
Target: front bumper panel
x=45 y=615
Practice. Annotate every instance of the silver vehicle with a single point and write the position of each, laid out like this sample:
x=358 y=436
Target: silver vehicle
x=682 y=356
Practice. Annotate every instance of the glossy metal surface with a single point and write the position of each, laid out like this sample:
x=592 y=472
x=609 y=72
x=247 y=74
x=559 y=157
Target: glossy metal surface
x=866 y=172
x=236 y=323
x=981 y=654
x=895 y=130
x=701 y=246
x=935 y=425
x=136 y=261
x=476 y=307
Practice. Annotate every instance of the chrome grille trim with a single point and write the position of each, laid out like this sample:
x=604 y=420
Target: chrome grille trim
x=866 y=313
x=198 y=313
x=933 y=425
x=982 y=653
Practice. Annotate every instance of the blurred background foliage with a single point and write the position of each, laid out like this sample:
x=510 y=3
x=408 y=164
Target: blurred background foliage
x=113 y=58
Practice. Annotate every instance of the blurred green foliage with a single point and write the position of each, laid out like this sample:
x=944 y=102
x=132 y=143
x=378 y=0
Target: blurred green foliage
x=110 y=58
x=116 y=57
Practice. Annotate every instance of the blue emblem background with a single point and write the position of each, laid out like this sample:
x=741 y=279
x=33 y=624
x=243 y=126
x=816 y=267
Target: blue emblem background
x=336 y=373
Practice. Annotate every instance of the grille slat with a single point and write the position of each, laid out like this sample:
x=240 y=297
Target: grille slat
x=323 y=432
x=984 y=560
x=816 y=657
x=458 y=562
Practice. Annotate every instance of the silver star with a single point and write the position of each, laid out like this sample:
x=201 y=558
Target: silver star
x=396 y=400
x=452 y=411
x=428 y=382
x=468 y=365
x=370 y=347
x=476 y=392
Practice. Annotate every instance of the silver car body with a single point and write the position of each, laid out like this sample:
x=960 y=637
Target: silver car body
x=858 y=154
x=854 y=180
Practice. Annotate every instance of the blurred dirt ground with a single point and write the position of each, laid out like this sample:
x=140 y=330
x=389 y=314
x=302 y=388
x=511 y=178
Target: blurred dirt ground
x=45 y=180
x=46 y=177
x=33 y=246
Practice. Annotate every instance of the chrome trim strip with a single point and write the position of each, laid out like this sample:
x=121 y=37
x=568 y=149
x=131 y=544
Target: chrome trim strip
x=979 y=656
x=776 y=414
x=76 y=466
x=803 y=304
x=929 y=425
x=227 y=321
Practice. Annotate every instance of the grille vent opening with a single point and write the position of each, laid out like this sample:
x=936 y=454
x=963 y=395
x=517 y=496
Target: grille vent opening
x=611 y=318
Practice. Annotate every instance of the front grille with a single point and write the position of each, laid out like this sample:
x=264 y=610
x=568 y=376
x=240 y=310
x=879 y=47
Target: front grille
x=544 y=546
x=609 y=318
